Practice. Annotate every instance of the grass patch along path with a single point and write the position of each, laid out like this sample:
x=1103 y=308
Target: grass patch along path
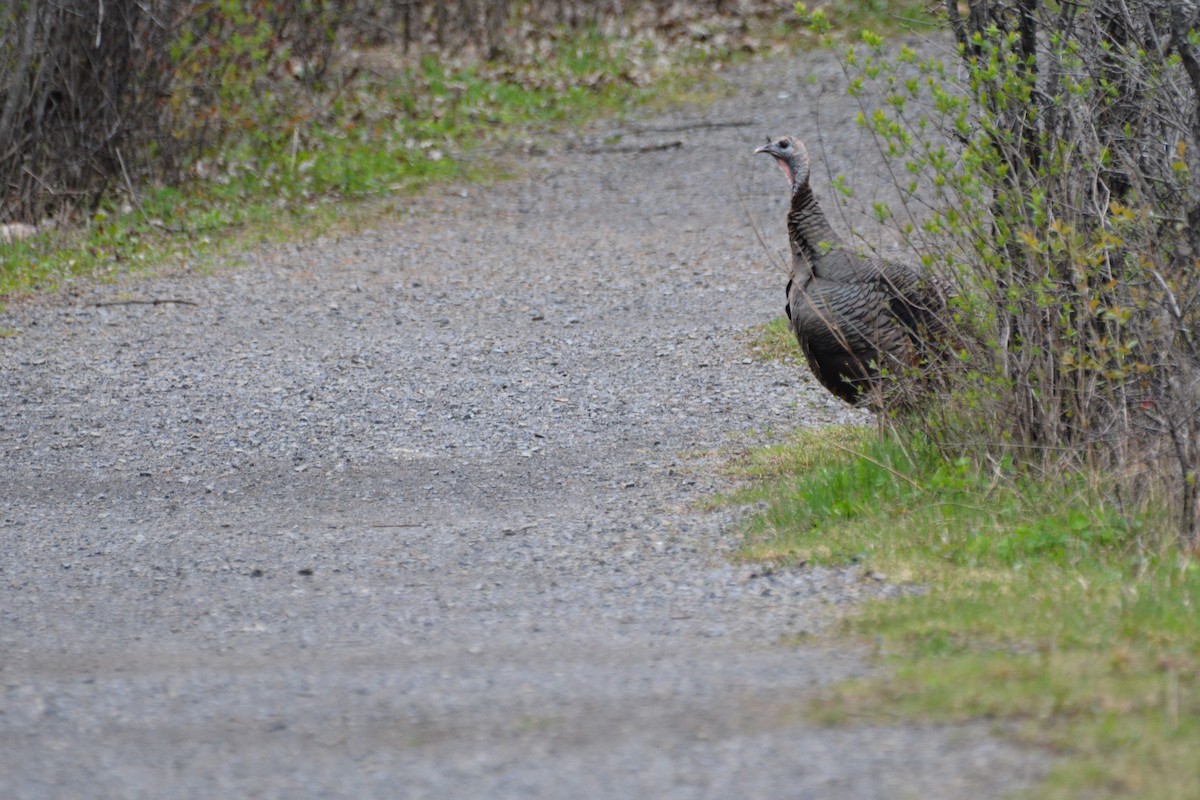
x=1044 y=609
x=383 y=125
x=384 y=132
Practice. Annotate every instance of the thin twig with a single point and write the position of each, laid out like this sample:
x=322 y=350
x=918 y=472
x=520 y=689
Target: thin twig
x=128 y=183
x=691 y=126
x=758 y=234
x=866 y=457
x=138 y=203
x=631 y=148
x=158 y=301
x=761 y=240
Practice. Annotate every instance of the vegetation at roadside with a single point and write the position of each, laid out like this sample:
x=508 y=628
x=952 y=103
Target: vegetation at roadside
x=774 y=341
x=378 y=136
x=1047 y=500
x=1055 y=188
x=1046 y=607
x=262 y=119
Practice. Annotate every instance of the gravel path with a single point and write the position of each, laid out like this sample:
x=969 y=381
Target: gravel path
x=414 y=513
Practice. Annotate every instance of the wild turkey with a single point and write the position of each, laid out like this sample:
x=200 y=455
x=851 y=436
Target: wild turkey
x=852 y=315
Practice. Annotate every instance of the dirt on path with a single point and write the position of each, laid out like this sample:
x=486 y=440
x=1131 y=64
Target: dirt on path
x=414 y=513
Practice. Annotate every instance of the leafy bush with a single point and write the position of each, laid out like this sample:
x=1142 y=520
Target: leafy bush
x=1062 y=162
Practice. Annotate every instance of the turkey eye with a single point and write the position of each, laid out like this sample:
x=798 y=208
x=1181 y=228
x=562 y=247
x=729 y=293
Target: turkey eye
x=784 y=145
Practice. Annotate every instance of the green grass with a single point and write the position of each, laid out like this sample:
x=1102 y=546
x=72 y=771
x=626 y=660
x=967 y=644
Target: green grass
x=775 y=341
x=287 y=167
x=289 y=158
x=1047 y=607
x=1068 y=619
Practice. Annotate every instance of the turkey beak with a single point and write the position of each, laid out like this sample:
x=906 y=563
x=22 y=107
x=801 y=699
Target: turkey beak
x=766 y=148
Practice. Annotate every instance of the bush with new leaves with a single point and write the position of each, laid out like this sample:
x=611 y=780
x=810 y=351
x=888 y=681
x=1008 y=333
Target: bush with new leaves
x=1062 y=157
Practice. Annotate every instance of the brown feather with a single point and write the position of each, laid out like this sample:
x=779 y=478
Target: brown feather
x=853 y=316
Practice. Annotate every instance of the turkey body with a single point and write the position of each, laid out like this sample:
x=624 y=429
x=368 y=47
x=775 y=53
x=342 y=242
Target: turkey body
x=853 y=316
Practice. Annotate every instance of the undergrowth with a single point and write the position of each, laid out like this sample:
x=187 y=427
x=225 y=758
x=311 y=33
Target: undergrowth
x=286 y=155
x=1047 y=608
x=288 y=171
x=1047 y=505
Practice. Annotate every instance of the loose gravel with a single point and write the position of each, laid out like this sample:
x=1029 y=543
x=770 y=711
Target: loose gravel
x=416 y=512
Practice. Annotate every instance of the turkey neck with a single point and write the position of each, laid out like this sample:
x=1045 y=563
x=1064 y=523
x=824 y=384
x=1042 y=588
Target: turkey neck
x=807 y=227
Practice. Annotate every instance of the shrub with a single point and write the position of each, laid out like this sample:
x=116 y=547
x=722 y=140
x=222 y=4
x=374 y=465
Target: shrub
x=1063 y=160
x=80 y=91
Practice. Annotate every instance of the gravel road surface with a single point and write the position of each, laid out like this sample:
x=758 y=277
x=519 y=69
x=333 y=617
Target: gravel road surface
x=414 y=513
